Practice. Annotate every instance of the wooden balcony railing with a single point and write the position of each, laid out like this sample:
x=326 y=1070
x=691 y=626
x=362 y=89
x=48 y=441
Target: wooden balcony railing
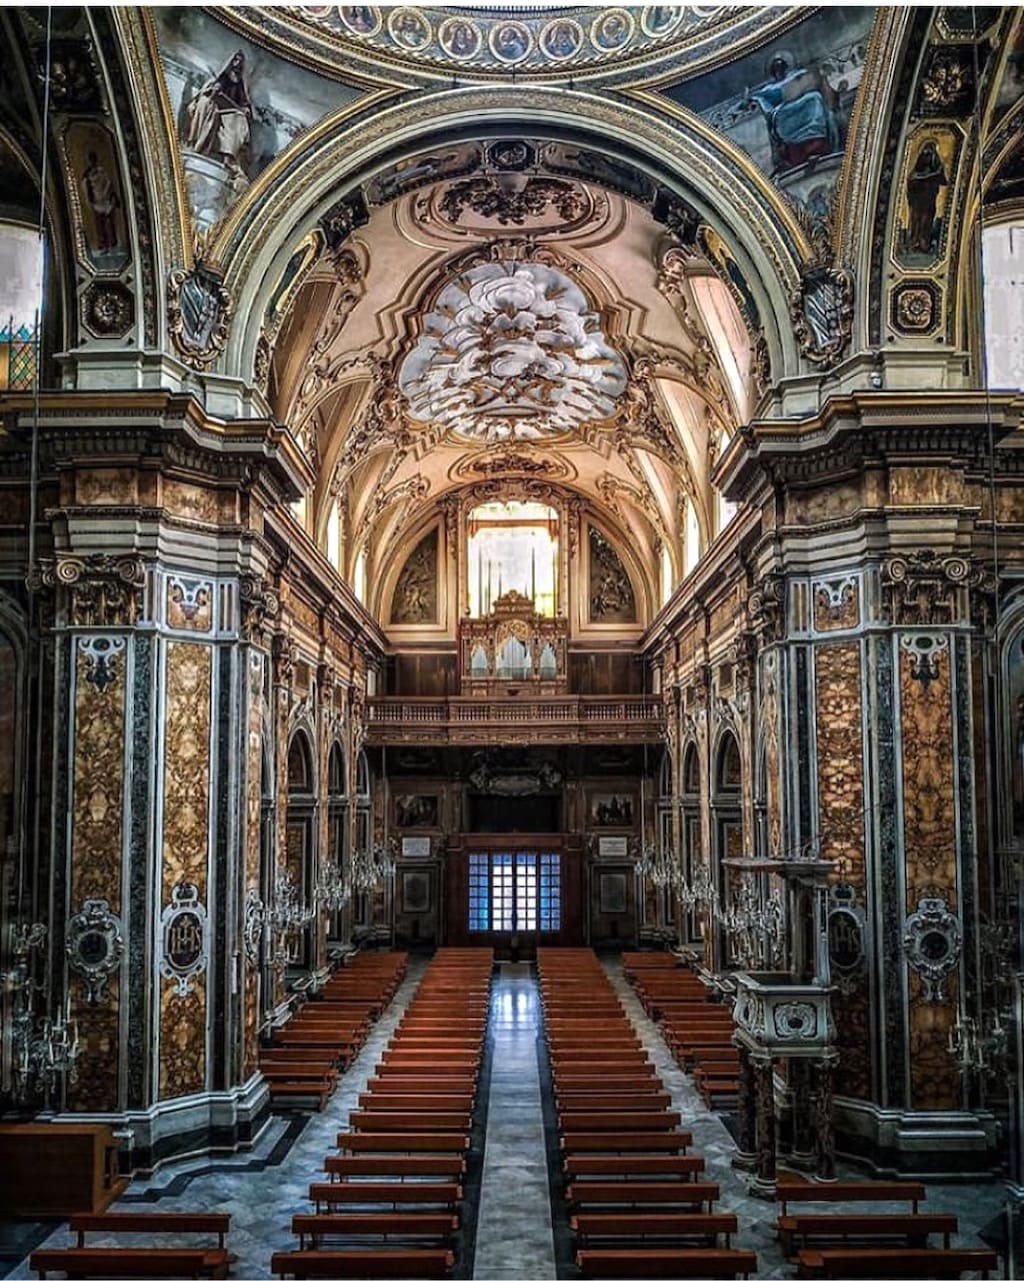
x=512 y=719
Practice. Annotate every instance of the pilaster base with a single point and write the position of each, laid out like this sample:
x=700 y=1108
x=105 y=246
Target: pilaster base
x=763 y=1189
x=226 y=1121
x=955 y=1145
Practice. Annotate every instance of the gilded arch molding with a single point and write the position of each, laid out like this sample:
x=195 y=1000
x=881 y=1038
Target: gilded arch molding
x=255 y=241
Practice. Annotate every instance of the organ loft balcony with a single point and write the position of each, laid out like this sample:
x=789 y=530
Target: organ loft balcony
x=512 y=680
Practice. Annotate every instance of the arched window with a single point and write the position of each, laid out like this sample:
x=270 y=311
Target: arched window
x=512 y=546
x=300 y=766
x=300 y=834
x=1003 y=268
x=691 y=542
x=21 y=270
x=337 y=827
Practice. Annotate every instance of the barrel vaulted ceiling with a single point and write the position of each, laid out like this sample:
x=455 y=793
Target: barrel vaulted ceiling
x=575 y=246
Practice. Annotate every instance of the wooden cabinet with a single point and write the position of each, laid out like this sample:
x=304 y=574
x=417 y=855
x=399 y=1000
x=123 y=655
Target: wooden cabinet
x=57 y=1170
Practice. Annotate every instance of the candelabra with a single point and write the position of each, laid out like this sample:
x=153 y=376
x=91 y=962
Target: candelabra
x=370 y=866
x=332 y=891
x=44 y=1054
x=978 y=1047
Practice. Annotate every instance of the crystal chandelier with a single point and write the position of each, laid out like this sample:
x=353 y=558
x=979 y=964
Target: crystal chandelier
x=332 y=892
x=287 y=913
x=978 y=1047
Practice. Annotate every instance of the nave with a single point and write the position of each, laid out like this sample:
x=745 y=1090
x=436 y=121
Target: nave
x=514 y=1215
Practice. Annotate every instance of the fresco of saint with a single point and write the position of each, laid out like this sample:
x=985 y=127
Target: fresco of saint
x=799 y=107
x=219 y=117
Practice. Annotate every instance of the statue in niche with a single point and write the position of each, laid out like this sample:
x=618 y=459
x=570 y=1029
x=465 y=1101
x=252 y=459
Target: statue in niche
x=415 y=599
x=611 y=593
x=219 y=117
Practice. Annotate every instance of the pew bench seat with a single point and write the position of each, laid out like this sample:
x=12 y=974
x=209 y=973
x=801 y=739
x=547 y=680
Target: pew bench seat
x=424 y=1262
x=665 y=1262
x=623 y=1227
x=628 y=1192
x=312 y=1229
x=131 y=1261
x=655 y=1165
x=428 y=1192
x=796 y=1230
x=404 y=1141
x=891 y=1263
x=627 y=1141
x=391 y=1165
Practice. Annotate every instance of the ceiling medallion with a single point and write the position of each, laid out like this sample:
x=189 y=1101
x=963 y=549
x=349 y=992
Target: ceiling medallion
x=512 y=351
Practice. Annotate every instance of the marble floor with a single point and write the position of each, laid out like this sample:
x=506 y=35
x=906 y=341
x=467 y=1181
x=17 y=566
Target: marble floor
x=511 y=1193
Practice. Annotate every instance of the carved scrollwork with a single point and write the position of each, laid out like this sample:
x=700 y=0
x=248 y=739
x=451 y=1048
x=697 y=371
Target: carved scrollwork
x=932 y=941
x=767 y=607
x=94 y=945
x=926 y=589
x=254 y=918
x=104 y=590
x=795 y=1021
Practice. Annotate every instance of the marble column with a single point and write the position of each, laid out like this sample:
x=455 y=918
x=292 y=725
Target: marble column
x=746 y=1124
x=764 y=1129
x=803 y=1113
x=824 y=1125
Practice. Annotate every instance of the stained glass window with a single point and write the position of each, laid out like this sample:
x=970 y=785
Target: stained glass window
x=520 y=891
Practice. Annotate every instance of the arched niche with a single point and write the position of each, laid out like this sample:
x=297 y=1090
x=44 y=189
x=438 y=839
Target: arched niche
x=727 y=831
x=300 y=836
x=691 y=831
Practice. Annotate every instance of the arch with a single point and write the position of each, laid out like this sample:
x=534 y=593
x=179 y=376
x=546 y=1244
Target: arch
x=285 y=203
x=728 y=771
x=301 y=773
x=362 y=777
x=691 y=770
x=336 y=774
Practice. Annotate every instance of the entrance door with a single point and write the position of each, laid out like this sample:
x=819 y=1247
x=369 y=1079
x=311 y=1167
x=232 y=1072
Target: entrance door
x=514 y=894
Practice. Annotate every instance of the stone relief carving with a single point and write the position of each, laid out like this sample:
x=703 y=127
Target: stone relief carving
x=926 y=652
x=821 y=311
x=108 y=309
x=94 y=945
x=845 y=927
x=415 y=599
x=926 y=589
x=104 y=591
x=199 y=310
x=611 y=592
x=932 y=942
x=183 y=950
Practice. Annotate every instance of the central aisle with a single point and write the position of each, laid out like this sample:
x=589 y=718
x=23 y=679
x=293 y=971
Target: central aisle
x=513 y=1235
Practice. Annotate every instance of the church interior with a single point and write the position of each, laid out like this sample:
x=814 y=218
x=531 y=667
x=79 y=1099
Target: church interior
x=511 y=641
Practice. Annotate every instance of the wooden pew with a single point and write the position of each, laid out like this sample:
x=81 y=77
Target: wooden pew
x=405 y=1141
x=626 y=1192
x=416 y=1102
x=570 y=1121
x=613 y=1101
x=419 y=1085
x=627 y=1141
x=623 y=1227
x=384 y=1193
x=877 y=1190
x=895 y=1263
x=393 y=1166
x=799 y=1230
x=461 y=1121
x=664 y=1262
x=315 y=1228
x=140 y=1261
x=653 y=1165
x=420 y=1262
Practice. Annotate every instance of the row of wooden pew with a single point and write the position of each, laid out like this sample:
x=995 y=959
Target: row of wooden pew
x=823 y=1244
x=390 y=1204
x=697 y=1029
x=638 y=1205
x=168 y=1258
x=307 y=1055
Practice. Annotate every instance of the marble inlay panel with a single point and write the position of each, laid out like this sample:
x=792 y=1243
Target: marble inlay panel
x=186 y=840
x=254 y=755
x=929 y=833
x=97 y=831
x=840 y=741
